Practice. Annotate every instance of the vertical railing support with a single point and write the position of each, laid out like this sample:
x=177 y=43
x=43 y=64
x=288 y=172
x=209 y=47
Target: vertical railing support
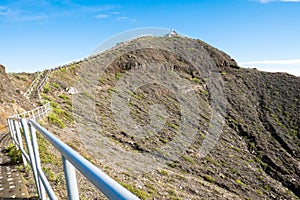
x=33 y=116
x=35 y=148
x=11 y=129
x=71 y=182
x=19 y=138
x=31 y=154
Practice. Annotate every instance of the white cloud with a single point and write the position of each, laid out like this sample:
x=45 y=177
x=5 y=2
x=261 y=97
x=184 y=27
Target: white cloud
x=4 y=11
x=126 y=19
x=30 y=18
x=102 y=16
x=29 y=10
x=289 y=66
x=122 y=18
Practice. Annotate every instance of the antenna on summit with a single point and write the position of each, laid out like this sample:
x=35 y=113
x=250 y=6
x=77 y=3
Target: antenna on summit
x=172 y=33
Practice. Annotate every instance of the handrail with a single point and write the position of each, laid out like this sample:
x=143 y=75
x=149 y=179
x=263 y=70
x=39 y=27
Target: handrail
x=32 y=85
x=36 y=113
x=38 y=83
x=40 y=87
x=20 y=126
x=103 y=182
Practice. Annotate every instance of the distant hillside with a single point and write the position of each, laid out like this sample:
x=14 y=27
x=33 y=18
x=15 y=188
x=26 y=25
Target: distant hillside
x=256 y=157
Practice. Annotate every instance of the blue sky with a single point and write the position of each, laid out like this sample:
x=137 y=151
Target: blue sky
x=42 y=34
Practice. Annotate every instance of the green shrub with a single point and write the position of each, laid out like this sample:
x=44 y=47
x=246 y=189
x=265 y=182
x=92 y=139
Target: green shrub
x=63 y=96
x=205 y=92
x=55 y=85
x=46 y=89
x=174 y=126
x=171 y=164
x=118 y=76
x=14 y=154
x=56 y=121
x=195 y=80
x=163 y=140
x=209 y=178
x=252 y=146
x=189 y=159
x=140 y=193
x=163 y=172
x=258 y=192
x=63 y=70
x=238 y=181
x=45 y=155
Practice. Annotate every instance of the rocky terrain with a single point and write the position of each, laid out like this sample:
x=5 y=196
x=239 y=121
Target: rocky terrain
x=174 y=118
x=11 y=99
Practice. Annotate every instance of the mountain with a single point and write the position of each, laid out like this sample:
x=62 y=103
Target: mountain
x=175 y=118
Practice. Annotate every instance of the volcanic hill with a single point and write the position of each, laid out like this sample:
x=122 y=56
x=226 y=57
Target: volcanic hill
x=175 y=118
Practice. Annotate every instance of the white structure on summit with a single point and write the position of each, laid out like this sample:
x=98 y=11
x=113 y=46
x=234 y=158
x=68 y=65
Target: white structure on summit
x=172 y=33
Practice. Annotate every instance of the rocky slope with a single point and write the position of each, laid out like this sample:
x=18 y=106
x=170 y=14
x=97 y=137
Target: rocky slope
x=174 y=118
x=11 y=100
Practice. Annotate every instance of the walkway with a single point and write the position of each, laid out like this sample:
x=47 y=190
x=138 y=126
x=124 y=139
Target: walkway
x=11 y=181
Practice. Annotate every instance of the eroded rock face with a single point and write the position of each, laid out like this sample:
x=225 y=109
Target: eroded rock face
x=11 y=102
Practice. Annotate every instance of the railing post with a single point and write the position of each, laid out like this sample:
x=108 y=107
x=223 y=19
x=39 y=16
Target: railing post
x=15 y=134
x=31 y=154
x=33 y=116
x=11 y=129
x=37 y=159
x=19 y=138
x=71 y=182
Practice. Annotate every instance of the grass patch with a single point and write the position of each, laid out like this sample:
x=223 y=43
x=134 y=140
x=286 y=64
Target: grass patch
x=163 y=172
x=233 y=121
x=63 y=96
x=163 y=140
x=188 y=159
x=46 y=88
x=205 y=92
x=174 y=126
x=208 y=178
x=56 y=121
x=252 y=146
x=172 y=164
x=195 y=80
x=118 y=76
x=55 y=85
x=238 y=181
x=101 y=80
x=223 y=73
x=209 y=159
x=14 y=154
x=259 y=192
x=45 y=155
x=140 y=193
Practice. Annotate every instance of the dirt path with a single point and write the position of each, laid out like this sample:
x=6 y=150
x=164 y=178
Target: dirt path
x=11 y=181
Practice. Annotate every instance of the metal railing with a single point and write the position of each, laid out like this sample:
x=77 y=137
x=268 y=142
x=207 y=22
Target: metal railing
x=21 y=127
x=32 y=85
x=38 y=84
x=35 y=114
x=41 y=85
